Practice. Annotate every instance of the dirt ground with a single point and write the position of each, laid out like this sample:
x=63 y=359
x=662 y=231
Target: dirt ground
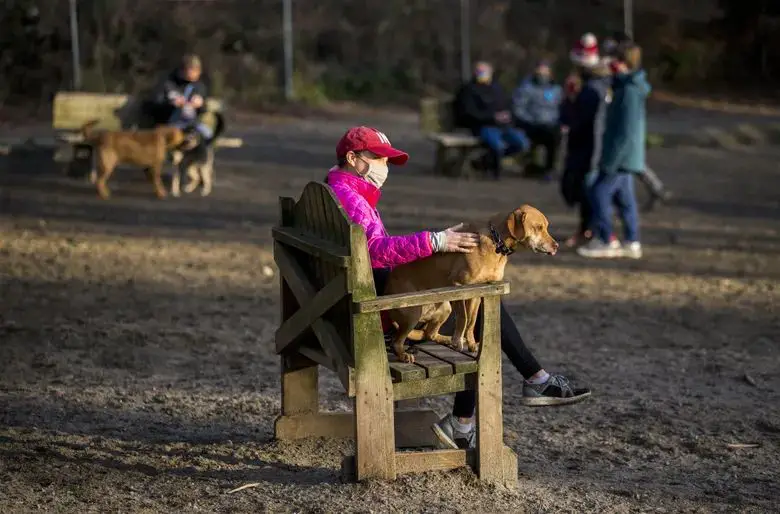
x=137 y=372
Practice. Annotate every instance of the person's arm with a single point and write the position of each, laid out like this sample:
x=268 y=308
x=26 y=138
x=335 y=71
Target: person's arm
x=167 y=92
x=200 y=91
x=520 y=101
x=618 y=121
x=472 y=112
x=385 y=251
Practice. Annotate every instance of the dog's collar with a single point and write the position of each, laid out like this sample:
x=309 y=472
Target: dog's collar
x=501 y=247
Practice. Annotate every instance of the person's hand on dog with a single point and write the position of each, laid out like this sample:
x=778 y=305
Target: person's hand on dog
x=456 y=241
x=179 y=101
x=196 y=102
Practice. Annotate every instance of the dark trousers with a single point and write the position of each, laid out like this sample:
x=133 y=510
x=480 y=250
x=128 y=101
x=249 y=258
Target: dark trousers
x=617 y=188
x=512 y=345
x=547 y=136
x=586 y=214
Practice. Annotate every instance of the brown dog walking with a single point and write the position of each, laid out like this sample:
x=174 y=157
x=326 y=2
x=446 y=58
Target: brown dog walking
x=145 y=148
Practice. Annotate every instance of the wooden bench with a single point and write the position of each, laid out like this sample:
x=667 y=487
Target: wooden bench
x=453 y=146
x=71 y=110
x=330 y=317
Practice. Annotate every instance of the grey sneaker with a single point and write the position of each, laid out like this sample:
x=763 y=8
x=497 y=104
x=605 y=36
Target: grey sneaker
x=633 y=250
x=556 y=391
x=450 y=437
x=597 y=249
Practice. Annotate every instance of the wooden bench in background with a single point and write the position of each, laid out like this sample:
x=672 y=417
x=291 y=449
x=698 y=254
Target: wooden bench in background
x=330 y=317
x=453 y=146
x=71 y=110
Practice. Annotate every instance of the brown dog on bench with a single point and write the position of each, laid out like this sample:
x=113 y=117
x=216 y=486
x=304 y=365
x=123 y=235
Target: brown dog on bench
x=499 y=238
x=146 y=148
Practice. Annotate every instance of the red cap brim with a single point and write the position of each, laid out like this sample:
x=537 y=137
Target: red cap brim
x=394 y=156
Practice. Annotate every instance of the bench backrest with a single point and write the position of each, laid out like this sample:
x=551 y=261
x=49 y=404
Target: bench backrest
x=437 y=115
x=73 y=109
x=317 y=249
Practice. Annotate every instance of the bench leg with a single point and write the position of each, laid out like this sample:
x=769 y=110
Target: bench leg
x=374 y=419
x=490 y=421
x=440 y=165
x=300 y=395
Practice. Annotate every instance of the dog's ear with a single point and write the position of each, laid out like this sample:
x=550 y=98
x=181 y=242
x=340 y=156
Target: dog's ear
x=515 y=223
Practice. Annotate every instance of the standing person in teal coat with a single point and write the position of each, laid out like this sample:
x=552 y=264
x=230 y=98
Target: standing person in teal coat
x=622 y=156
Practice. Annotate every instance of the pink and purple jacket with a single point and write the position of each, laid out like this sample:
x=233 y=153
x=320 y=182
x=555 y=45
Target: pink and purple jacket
x=358 y=198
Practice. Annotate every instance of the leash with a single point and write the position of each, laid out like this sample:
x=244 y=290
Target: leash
x=501 y=247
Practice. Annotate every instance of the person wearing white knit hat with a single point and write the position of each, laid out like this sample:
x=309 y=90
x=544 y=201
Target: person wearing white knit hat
x=586 y=51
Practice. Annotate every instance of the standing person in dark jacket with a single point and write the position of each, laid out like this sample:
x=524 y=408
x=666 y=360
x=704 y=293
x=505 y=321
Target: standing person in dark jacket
x=536 y=107
x=582 y=118
x=483 y=107
x=622 y=156
x=181 y=98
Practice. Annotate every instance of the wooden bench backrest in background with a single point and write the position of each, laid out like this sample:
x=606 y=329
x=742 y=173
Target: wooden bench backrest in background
x=436 y=115
x=71 y=110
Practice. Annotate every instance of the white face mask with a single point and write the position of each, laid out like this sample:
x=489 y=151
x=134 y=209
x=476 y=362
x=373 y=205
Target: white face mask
x=376 y=174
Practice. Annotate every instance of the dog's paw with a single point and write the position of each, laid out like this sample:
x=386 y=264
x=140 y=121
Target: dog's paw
x=406 y=357
x=458 y=343
x=189 y=188
x=205 y=192
x=175 y=192
x=472 y=346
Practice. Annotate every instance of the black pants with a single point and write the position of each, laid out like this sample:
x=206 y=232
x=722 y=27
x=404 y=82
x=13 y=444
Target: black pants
x=548 y=136
x=512 y=345
x=586 y=215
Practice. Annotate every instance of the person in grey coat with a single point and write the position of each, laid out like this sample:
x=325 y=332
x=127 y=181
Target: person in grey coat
x=535 y=109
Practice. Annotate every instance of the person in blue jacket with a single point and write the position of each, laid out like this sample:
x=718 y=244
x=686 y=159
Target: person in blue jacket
x=622 y=156
x=535 y=107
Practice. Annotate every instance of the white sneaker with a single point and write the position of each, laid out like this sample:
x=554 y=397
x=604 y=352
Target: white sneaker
x=615 y=244
x=633 y=250
x=596 y=249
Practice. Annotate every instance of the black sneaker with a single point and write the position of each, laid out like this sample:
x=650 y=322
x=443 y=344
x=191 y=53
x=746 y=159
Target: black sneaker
x=556 y=391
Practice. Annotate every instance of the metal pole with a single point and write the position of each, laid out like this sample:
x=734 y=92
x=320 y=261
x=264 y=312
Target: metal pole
x=465 y=40
x=628 y=18
x=74 y=45
x=288 y=48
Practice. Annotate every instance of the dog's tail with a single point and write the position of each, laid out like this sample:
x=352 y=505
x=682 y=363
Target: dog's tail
x=219 y=128
x=86 y=130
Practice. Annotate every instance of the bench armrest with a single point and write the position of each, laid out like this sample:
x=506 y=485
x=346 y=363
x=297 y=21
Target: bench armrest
x=441 y=294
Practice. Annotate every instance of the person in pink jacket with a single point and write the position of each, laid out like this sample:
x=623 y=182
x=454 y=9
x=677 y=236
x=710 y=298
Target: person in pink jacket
x=363 y=155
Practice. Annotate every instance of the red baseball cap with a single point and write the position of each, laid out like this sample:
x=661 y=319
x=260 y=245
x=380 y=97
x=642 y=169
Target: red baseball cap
x=358 y=139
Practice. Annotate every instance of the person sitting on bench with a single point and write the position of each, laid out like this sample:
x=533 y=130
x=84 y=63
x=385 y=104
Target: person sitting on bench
x=482 y=106
x=181 y=98
x=535 y=106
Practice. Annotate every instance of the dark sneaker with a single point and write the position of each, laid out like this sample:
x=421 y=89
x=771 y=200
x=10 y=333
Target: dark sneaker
x=450 y=437
x=556 y=391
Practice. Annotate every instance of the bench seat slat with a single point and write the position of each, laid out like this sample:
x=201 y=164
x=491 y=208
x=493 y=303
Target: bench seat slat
x=455 y=139
x=433 y=367
x=441 y=294
x=404 y=371
x=461 y=363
